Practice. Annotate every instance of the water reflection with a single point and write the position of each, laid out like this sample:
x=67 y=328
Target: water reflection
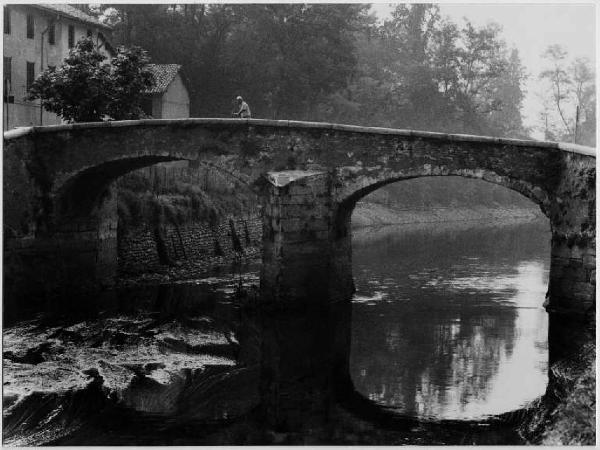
x=431 y=334
x=449 y=324
x=183 y=365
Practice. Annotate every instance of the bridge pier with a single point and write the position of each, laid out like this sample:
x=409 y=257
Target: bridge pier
x=571 y=301
x=75 y=256
x=572 y=274
x=89 y=243
x=304 y=262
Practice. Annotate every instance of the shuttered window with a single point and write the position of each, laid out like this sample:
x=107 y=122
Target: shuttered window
x=7 y=72
x=51 y=34
x=6 y=20
x=71 y=36
x=30 y=26
x=8 y=80
x=30 y=74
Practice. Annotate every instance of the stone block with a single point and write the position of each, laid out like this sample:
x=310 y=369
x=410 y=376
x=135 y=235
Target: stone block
x=309 y=224
x=583 y=288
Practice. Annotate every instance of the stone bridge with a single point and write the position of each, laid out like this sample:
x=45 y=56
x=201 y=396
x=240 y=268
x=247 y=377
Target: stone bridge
x=60 y=218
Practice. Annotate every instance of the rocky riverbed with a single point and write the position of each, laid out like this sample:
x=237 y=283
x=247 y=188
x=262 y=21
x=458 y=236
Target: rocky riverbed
x=173 y=360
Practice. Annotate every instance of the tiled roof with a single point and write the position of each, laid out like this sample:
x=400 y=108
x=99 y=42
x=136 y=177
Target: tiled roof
x=163 y=75
x=71 y=12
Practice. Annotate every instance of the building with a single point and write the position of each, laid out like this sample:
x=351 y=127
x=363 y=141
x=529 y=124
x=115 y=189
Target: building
x=38 y=36
x=169 y=97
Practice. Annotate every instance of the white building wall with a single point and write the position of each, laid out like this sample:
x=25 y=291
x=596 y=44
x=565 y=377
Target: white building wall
x=176 y=100
x=21 y=50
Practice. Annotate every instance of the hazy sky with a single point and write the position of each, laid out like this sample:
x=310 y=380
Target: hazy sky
x=531 y=28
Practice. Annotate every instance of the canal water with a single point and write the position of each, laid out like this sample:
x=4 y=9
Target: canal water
x=447 y=323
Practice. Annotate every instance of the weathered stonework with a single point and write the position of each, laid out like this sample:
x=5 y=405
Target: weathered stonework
x=56 y=206
x=193 y=242
x=299 y=267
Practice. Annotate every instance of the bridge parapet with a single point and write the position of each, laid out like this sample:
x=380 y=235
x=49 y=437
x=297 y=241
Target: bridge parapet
x=294 y=124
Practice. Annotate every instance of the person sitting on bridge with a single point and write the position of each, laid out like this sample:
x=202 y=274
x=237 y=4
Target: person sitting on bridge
x=244 y=112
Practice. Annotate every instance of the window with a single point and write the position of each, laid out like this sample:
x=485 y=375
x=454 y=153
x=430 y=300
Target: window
x=89 y=33
x=6 y=20
x=30 y=74
x=71 y=36
x=51 y=34
x=8 y=68
x=8 y=80
x=30 y=26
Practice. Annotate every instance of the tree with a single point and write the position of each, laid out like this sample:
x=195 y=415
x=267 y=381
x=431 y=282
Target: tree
x=283 y=58
x=560 y=82
x=507 y=92
x=420 y=71
x=128 y=80
x=573 y=97
x=334 y=62
x=86 y=89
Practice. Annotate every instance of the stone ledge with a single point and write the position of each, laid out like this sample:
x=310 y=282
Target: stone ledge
x=291 y=124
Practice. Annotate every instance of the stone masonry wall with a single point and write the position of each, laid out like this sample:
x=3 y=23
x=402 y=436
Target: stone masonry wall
x=192 y=242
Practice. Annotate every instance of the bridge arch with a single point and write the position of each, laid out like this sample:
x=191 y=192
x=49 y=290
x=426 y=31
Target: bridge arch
x=49 y=166
x=82 y=192
x=356 y=189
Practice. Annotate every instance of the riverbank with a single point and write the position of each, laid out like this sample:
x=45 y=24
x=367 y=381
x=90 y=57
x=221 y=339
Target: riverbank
x=367 y=214
x=160 y=358
x=567 y=414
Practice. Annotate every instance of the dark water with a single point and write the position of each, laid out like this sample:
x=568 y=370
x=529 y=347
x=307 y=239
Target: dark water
x=446 y=324
x=449 y=323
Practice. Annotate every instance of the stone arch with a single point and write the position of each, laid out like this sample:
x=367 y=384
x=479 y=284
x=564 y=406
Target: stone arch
x=78 y=219
x=82 y=191
x=354 y=189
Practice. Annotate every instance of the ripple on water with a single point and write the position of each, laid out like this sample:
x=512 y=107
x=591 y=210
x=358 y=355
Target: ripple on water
x=377 y=296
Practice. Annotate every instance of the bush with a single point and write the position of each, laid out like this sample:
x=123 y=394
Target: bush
x=85 y=89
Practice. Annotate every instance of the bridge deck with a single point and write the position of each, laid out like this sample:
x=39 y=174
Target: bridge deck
x=573 y=148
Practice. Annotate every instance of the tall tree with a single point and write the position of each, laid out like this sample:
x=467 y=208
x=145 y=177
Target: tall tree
x=572 y=90
x=284 y=58
x=335 y=62
x=421 y=71
x=508 y=93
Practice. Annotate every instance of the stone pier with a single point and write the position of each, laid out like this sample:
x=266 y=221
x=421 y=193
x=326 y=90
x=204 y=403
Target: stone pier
x=73 y=256
x=301 y=255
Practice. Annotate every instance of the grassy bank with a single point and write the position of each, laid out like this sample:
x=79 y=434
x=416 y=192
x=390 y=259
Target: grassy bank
x=376 y=215
x=170 y=194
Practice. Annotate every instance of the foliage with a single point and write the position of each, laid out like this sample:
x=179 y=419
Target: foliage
x=175 y=195
x=86 y=89
x=421 y=71
x=569 y=112
x=281 y=57
x=335 y=62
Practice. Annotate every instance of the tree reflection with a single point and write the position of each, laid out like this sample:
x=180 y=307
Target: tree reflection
x=431 y=348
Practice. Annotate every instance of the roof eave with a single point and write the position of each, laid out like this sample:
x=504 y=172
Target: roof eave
x=67 y=16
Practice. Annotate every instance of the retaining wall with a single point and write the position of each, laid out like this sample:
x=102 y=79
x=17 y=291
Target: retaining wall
x=138 y=247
